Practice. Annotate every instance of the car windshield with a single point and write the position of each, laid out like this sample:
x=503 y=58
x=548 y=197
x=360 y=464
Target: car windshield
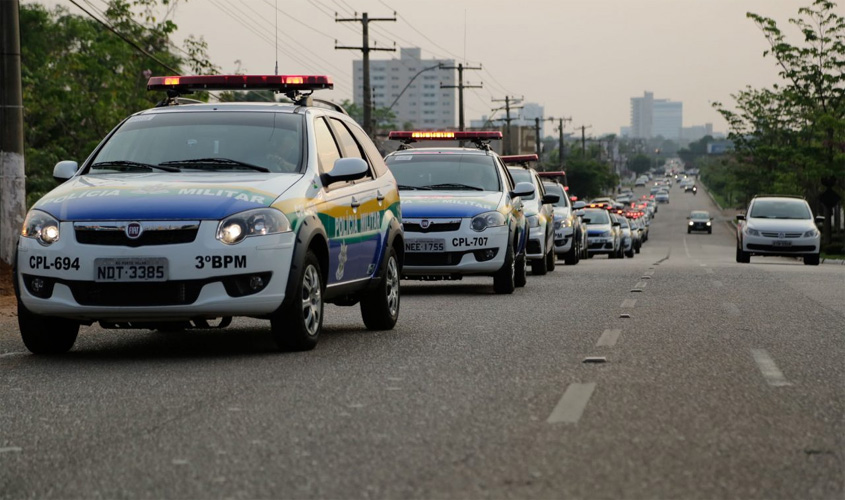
x=461 y=172
x=200 y=141
x=698 y=215
x=522 y=175
x=595 y=217
x=555 y=188
x=780 y=209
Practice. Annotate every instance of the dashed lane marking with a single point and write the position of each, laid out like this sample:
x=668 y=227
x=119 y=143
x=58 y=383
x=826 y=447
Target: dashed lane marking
x=609 y=338
x=730 y=308
x=571 y=406
x=640 y=285
x=10 y=449
x=717 y=283
x=628 y=303
x=771 y=372
x=708 y=271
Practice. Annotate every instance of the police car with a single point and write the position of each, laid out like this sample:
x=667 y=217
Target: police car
x=462 y=211
x=604 y=234
x=569 y=234
x=539 y=212
x=191 y=211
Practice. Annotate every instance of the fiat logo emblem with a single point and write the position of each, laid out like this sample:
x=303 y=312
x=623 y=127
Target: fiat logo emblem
x=134 y=230
x=425 y=223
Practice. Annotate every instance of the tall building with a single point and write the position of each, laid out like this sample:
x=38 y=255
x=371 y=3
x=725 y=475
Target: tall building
x=422 y=103
x=652 y=117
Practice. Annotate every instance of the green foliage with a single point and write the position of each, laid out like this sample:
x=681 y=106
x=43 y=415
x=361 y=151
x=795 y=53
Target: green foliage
x=639 y=164
x=82 y=80
x=589 y=177
x=791 y=136
x=383 y=117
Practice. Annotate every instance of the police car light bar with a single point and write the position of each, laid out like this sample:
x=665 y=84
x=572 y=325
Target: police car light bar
x=510 y=159
x=279 y=83
x=440 y=135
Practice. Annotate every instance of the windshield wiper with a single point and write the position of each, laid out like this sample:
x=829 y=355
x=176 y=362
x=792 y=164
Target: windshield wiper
x=454 y=186
x=215 y=164
x=405 y=186
x=134 y=165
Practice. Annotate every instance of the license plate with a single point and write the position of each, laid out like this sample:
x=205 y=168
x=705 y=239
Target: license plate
x=558 y=234
x=144 y=269
x=780 y=243
x=433 y=245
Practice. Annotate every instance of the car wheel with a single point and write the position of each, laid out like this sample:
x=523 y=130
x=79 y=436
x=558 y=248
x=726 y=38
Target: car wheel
x=539 y=267
x=571 y=257
x=710 y=231
x=297 y=325
x=504 y=281
x=381 y=309
x=46 y=334
x=550 y=259
x=742 y=257
x=629 y=254
x=811 y=259
x=689 y=230
x=521 y=272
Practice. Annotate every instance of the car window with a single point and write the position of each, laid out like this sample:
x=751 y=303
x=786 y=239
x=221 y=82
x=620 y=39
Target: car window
x=780 y=209
x=327 y=150
x=375 y=157
x=445 y=171
x=269 y=140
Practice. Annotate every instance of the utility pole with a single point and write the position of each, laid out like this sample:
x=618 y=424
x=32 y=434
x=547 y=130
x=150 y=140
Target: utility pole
x=537 y=138
x=584 y=140
x=561 y=149
x=460 y=86
x=12 y=177
x=508 y=100
x=366 y=49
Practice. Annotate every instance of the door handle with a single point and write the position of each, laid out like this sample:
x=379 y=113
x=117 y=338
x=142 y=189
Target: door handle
x=380 y=197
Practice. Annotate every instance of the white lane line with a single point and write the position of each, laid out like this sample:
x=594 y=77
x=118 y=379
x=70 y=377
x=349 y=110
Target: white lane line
x=572 y=404
x=708 y=271
x=12 y=354
x=686 y=248
x=703 y=265
x=767 y=366
x=629 y=303
x=730 y=308
x=640 y=285
x=10 y=449
x=609 y=338
x=717 y=283
x=649 y=273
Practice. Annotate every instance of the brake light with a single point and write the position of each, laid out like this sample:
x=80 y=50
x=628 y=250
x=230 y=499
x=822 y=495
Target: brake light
x=571 y=198
x=241 y=82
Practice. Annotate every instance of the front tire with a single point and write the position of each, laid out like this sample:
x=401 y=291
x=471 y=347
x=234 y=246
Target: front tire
x=46 y=335
x=742 y=257
x=539 y=267
x=380 y=310
x=550 y=258
x=297 y=325
x=521 y=273
x=629 y=254
x=811 y=259
x=504 y=281
x=572 y=256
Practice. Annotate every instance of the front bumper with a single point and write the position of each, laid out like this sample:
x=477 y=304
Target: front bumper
x=564 y=238
x=598 y=245
x=762 y=245
x=204 y=278
x=536 y=246
x=465 y=251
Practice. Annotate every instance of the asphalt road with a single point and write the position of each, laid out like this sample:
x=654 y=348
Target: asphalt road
x=726 y=381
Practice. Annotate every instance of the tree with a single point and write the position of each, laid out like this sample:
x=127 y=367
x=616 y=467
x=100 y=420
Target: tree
x=639 y=164
x=82 y=79
x=792 y=135
x=384 y=118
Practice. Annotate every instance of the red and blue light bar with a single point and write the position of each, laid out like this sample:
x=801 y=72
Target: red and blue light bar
x=241 y=82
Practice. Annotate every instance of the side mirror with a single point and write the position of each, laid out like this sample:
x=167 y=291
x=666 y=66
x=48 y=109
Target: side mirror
x=64 y=170
x=347 y=169
x=617 y=224
x=580 y=213
x=551 y=198
x=522 y=189
x=740 y=217
x=819 y=219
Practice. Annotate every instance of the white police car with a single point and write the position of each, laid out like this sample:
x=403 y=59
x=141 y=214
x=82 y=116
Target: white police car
x=461 y=210
x=191 y=211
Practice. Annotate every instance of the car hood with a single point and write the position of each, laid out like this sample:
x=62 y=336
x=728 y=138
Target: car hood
x=157 y=196
x=781 y=224
x=448 y=203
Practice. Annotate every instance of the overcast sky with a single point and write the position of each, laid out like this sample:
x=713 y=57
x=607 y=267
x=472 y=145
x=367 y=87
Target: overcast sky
x=578 y=58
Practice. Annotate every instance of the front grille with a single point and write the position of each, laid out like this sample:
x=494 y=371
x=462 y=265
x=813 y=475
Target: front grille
x=434 y=227
x=792 y=249
x=433 y=259
x=168 y=293
x=769 y=234
x=113 y=233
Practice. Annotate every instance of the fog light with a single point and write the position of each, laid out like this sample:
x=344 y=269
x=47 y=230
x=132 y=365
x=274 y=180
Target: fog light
x=256 y=283
x=485 y=255
x=37 y=286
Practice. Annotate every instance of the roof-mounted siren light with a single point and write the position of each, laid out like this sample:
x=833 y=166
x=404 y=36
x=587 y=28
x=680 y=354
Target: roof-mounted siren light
x=519 y=159
x=480 y=138
x=292 y=86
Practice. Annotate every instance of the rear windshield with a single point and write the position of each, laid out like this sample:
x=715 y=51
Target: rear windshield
x=272 y=141
x=780 y=209
x=445 y=171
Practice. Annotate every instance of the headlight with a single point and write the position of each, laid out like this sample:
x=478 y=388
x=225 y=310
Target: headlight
x=235 y=228
x=533 y=220
x=605 y=234
x=812 y=233
x=709 y=224
x=488 y=219
x=558 y=224
x=752 y=232
x=691 y=223
x=41 y=226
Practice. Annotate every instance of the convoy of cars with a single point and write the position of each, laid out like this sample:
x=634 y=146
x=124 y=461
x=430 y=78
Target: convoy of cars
x=191 y=213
